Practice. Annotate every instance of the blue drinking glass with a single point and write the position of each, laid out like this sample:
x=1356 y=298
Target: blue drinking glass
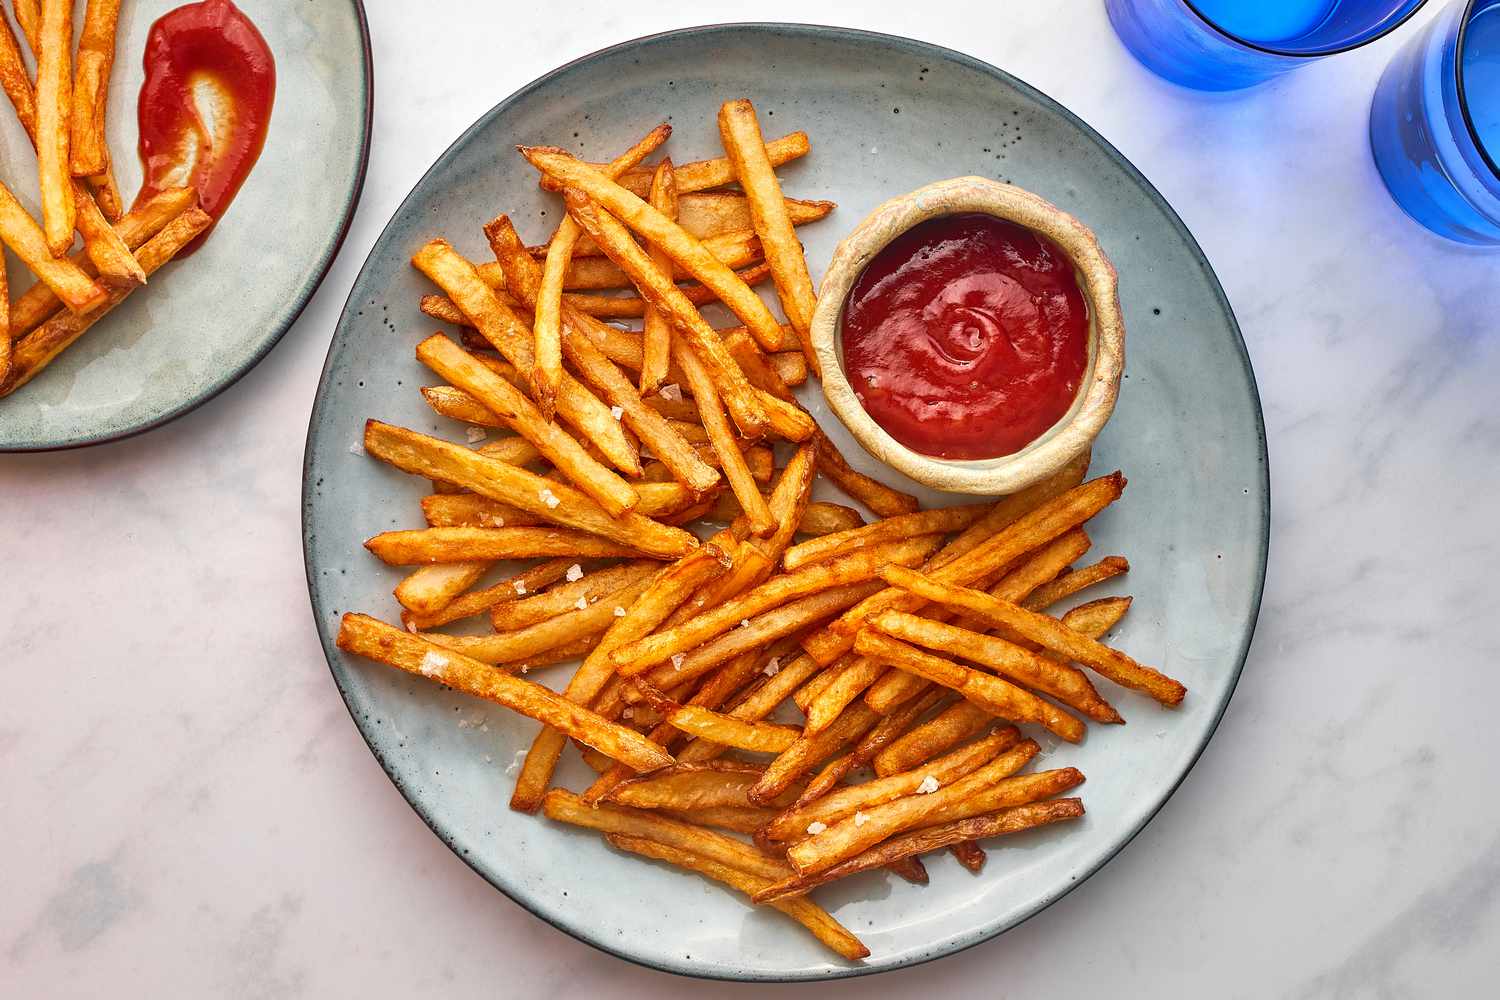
x=1435 y=124
x=1229 y=44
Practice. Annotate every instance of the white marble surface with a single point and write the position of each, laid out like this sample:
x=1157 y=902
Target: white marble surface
x=186 y=809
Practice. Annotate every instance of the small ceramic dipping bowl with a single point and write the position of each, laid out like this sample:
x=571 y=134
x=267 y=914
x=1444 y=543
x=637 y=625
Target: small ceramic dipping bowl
x=1095 y=400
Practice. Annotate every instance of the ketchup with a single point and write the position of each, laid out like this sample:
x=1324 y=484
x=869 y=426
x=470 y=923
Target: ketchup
x=966 y=337
x=204 y=59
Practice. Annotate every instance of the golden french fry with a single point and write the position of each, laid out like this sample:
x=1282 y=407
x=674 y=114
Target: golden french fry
x=1045 y=631
x=46 y=342
x=805 y=912
x=740 y=133
x=761 y=737
x=736 y=250
x=1071 y=583
x=75 y=289
x=89 y=154
x=740 y=819
x=702 y=175
x=364 y=636
x=899 y=721
x=844 y=685
x=477 y=602
x=944 y=731
x=591 y=588
x=940 y=521
x=880 y=498
x=708 y=214
x=54 y=94
x=450 y=545
x=503 y=399
x=1097 y=617
x=500 y=326
x=1064 y=682
x=656 y=332
x=429 y=589
x=714 y=784
x=829 y=809
x=810 y=750
x=106 y=194
x=996 y=824
x=470 y=510
x=686 y=252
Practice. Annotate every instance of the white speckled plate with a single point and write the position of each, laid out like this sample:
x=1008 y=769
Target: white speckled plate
x=203 y=322
x=885 y=115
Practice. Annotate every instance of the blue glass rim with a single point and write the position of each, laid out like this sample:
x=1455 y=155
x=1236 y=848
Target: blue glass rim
x=1288 y=54
x=1463 y=98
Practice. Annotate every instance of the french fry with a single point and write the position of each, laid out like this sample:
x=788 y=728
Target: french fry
x=364 y=636
x=996 y=824
x=736 y=250
x=694 y=720
x=1047 y=632
x=1071 y=583
x=499 y=325
x=546 y=376
x=89 y=155
x=880 y=498
x=899 y=721
x=703 y=175
x=939 y=521
x=666 y=591
x=686 y=252
x=820 y=518
x=590 y=588
x=708 y=214
x=54 y=92
x=1066 y=683
x=944 y=731
x=805 y=912
x=46 y=342
x=75 y=289
x=843 y=686
x=656 y=332
x=503 y=399
x=555 y=502
x=714 y=784
x=639 y=656
x=470 y=510
x=39 y=303
x=429 y=589
x=740 y=132
x=654 y=430
x=477 y=602
x=740 y=819
x=810 y=750
x=792 y=824
x=450 y=545
x=849 y=836
x=29 y=18
x=994 y=694
x=737 y=393
x=1097 y=617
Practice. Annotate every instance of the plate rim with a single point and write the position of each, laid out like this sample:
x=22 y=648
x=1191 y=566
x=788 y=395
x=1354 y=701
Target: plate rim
x=951 y=946
x=288 y=317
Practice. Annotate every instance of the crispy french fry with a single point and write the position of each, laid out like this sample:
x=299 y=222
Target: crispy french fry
x=29 y=18
x=848 y=683
x=46 y=342
x=666 y=591
x=996 y=824
x=736 y=250
x=880 y=498
x=546 y=376
x=694 y=720
x=54 y=93
x=686 y=252
x=820 y=517
x=829 y=809
x=731 y=460
x=703 y=175
x=1071 y=583
x=503 y=399
x=944 y=731
x=656 y=332
x=864 y=565
x=591 y=588
x=75 y=289
x=477 y=602
x=713 y=784
x=927 y=522
x=806 y=913
x=1066 y=683
x=89 y=155
x=364 y=636
x=810 y=750
x=106 y=194
x=1097 y=617
x=470 y=510
x=500 y=326
x=1047 y=632
x=453 y=545
x=708 y=214
x=899 y=721
x=654 y=430
x=555 y=502
x=740 y=132
x=994 y=694
x=850 y=836
x=740 y=819
x=429 y=589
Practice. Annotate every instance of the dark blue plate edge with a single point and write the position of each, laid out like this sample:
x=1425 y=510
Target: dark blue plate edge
x=300 y=299
x=330 y=650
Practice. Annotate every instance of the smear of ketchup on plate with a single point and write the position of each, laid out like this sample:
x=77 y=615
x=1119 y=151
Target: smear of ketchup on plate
x=205 y=106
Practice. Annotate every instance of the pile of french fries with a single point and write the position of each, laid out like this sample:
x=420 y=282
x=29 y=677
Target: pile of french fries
x=62 y=110
x=910 y=650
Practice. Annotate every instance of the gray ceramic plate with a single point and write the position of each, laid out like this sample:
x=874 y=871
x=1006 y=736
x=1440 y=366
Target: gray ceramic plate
x=202 y=323
x=885 y=115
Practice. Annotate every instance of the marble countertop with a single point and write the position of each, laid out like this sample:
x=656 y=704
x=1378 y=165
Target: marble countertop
x=187 y=810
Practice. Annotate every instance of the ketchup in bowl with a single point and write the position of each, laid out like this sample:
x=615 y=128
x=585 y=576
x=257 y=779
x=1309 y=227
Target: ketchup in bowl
x=966 y=337
x=205 y=105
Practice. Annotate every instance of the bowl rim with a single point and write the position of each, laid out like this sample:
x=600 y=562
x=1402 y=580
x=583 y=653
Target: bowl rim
x=1098 y=281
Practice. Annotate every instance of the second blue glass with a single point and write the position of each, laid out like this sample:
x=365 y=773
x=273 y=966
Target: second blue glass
x=1230 y=44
